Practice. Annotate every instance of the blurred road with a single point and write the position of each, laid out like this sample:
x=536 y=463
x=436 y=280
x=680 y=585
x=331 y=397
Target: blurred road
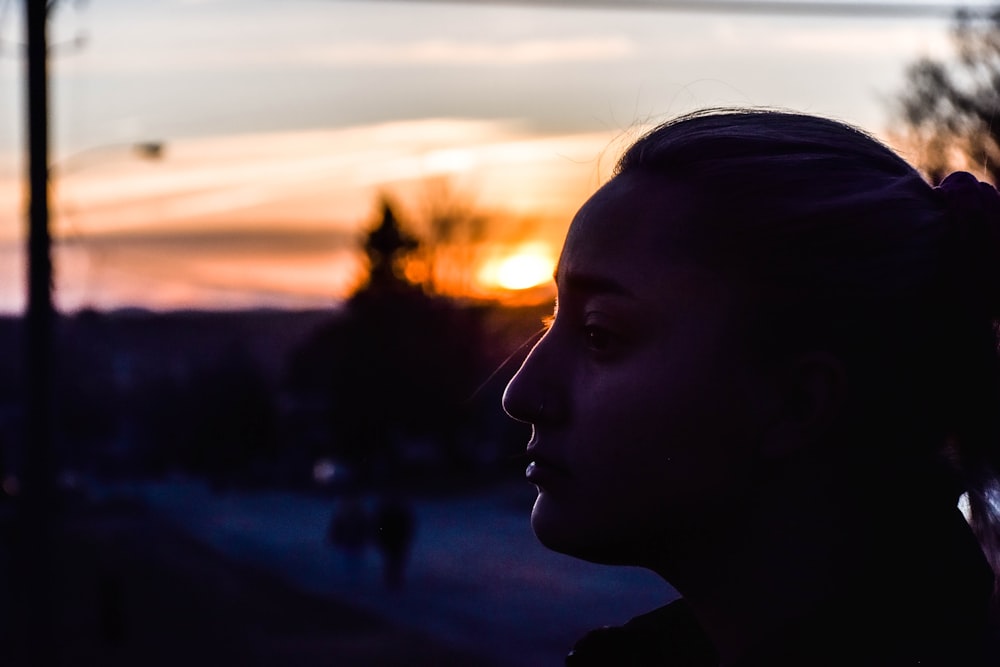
x=478 y=581
x=131 y=589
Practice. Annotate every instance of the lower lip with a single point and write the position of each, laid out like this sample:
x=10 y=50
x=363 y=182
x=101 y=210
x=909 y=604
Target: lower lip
x=541 y=474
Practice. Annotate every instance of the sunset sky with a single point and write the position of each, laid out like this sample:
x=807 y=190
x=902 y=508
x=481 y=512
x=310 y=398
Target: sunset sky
x=282 y=121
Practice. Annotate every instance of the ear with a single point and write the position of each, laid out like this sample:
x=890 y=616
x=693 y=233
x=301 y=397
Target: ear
x=812 y=396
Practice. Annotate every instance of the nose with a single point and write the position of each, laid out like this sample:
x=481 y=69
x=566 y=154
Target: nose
x=525 y=397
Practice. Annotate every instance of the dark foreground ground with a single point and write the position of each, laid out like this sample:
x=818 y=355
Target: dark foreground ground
x=132 y=590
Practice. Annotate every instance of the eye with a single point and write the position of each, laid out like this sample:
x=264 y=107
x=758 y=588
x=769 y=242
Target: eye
x=597 y=339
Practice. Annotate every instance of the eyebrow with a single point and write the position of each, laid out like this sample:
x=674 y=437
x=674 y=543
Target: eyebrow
x=592 y=284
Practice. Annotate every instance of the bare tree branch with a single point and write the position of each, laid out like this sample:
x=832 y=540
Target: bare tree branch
x=949 y=112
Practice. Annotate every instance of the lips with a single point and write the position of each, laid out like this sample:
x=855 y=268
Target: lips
x=543 y=470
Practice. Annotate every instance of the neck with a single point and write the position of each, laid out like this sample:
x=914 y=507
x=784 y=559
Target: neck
x=791 y=554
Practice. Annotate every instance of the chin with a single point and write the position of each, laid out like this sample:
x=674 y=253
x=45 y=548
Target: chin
x=576 y=536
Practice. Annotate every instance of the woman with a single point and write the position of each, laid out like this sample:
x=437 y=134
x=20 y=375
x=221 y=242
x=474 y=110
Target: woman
x=771 y=374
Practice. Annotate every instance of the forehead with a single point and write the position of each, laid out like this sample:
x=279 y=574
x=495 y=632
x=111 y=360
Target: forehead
x=632 y=227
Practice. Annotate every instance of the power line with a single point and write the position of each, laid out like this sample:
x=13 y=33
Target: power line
x=854 y=8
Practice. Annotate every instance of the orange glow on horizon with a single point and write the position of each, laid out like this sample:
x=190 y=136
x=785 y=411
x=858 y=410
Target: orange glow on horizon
x=220 y=221
x=529 y=265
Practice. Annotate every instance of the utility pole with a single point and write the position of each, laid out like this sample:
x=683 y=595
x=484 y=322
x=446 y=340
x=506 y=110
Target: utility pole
x=36 y=510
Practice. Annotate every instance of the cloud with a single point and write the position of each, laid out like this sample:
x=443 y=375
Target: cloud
x=368 y=53
x=867 y=41
x=268 y=240
x=212 y=268
x=465 y=53
x=313 y=178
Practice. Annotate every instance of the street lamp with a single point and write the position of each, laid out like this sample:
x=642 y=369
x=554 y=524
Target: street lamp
x=145 y=150
x=35 y=512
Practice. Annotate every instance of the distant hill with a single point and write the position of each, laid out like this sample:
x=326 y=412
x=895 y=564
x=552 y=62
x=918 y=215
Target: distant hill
x=149 y=338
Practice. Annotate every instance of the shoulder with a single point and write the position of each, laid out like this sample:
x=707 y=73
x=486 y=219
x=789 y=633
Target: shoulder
x=669 y=635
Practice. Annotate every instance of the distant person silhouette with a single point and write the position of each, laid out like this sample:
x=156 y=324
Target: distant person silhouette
x=771 y=375
x=394 y=532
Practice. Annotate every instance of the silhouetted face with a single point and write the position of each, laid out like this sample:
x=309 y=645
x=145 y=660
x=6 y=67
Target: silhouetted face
x=640 y=394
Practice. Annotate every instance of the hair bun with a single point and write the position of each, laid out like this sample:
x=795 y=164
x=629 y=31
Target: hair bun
x=972 y=208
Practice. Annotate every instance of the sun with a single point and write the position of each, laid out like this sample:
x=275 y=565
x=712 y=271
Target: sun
x=527 y=266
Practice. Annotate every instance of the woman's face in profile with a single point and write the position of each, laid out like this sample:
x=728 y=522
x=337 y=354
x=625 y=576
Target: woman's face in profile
x=640 y=394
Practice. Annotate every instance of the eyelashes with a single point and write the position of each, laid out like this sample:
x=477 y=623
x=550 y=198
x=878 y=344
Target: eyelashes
x=595 y=338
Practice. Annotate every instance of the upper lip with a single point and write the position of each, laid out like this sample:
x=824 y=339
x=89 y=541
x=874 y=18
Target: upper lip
x=545 y=460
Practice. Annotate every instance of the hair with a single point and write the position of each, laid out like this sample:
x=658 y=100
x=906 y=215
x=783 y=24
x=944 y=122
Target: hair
x=847 y=246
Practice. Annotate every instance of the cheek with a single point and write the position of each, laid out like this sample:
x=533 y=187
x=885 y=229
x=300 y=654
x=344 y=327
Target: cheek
x=686 y=439
x=682 y=418
x=657 y=452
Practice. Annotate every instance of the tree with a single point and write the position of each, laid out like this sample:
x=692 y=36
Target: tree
x=398 y=363
x=950 y=110
x=387 y=246
x=451 y=237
